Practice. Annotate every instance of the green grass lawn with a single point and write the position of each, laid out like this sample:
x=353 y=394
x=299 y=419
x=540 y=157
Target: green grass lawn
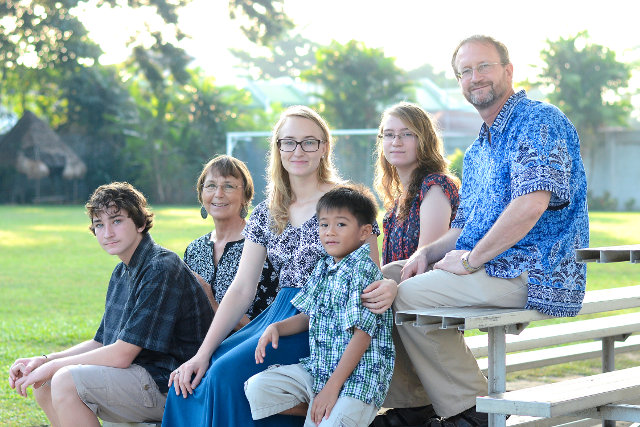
x=53 y=279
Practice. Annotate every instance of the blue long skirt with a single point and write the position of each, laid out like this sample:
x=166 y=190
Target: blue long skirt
x=219 y=399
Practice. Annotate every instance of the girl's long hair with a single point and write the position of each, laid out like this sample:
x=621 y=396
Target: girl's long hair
x=279 y=192
x=429 y=153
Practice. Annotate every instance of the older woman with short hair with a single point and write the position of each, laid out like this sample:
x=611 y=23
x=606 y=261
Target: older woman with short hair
x=225 y=190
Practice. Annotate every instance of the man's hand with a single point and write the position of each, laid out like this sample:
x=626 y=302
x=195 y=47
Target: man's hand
x=452 y=262
x=270 y=335
x=379 y=295
x=23 y=367
x=416 y=264
x=181 y=377
x=323 y=403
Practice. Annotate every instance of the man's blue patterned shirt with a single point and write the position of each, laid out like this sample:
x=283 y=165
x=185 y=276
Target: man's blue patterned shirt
x=530 y=146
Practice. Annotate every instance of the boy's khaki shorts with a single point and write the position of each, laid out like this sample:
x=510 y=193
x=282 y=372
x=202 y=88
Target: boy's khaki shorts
x=282 y=387
x=119 y=395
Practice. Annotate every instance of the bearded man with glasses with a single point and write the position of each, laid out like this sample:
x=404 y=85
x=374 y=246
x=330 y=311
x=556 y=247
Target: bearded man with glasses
x=522 y=214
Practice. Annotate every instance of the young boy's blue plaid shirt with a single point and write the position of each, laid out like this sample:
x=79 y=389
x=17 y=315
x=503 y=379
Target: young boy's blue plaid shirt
x=331 y=298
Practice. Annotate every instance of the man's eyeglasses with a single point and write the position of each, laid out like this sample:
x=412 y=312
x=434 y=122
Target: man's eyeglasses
x=213 y=188
x=390 y=136
x=290 y=144
x=482 y=68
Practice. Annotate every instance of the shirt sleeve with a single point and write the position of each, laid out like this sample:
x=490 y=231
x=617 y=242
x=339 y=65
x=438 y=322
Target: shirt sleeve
x=459 y=220
x=157 y=305
x=541 y=160
x=257 y=229
x=375 y=229
x=305 y=300
x=356 y=315
x=99 y=336
x=189 y=254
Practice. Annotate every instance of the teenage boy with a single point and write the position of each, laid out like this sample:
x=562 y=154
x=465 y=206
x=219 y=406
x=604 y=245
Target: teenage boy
x=349 y=369
x=156 y=315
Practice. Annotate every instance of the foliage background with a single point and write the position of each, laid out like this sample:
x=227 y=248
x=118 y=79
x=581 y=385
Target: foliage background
x=154 y=119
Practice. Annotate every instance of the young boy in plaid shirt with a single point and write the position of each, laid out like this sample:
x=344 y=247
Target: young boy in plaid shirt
x=349 y=369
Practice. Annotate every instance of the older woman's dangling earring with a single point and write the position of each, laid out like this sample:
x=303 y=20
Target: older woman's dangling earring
x=203 y=213
x=244 y=211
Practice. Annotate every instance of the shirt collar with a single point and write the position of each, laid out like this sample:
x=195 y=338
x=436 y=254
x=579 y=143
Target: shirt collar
x=142 y=252
x=502 y=118
x=359 y=254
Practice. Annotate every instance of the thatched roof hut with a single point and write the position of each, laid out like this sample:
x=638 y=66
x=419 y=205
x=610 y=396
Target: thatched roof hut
x=33 y=150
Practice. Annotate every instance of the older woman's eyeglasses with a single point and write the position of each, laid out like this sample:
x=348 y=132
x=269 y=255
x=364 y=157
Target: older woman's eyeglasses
x=290 y=144
x=390 y=136
x=211 y=187
x=482 y=68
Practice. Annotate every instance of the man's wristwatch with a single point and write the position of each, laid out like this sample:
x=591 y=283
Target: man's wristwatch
x=465 y=263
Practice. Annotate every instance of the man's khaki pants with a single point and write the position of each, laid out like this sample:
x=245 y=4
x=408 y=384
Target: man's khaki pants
x=439 y=362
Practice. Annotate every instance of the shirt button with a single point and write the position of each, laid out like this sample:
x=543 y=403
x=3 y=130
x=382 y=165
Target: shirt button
x=147 y=386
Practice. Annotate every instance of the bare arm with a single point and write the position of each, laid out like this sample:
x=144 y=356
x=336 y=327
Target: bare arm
x=518 y=218
x=239 y=296
x=373 y=246
x=325 y=400
x=435 y=215
x=234 y=305
x=206 y=287
x=379 y=295
x=117 y=355
x=24 y=366
x=290 y=326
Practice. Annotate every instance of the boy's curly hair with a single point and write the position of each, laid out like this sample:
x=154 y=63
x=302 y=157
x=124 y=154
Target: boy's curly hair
x=118 y=196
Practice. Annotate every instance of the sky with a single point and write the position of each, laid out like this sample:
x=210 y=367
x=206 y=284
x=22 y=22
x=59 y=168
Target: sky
x=415 y=32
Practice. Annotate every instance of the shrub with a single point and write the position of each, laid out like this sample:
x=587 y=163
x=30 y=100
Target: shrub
x=605 y=202
x=455 y=164
x=630 y=205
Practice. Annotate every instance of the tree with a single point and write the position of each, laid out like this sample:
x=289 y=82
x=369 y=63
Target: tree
x=49 y=65
x=588 y=84
x=427 y=71
x=150 y=118
x=355 y=84
x=288 y=57
x=45 y=42
x=265 y=21
x=176 y=130
x=40 y=44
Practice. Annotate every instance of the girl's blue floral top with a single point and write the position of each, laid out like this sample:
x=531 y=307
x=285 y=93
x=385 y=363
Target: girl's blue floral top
x=530 y=146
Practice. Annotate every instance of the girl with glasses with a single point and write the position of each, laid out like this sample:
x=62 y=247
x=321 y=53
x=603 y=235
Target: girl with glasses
x=421 y=198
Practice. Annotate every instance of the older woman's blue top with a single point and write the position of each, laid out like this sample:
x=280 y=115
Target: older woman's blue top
x=530 y=146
